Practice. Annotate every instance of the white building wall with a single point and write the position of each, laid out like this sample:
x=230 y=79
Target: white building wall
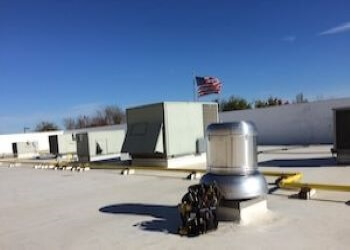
x=41 y=138
x=305 y=123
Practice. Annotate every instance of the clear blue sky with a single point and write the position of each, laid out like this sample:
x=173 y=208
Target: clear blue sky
x=62 y=58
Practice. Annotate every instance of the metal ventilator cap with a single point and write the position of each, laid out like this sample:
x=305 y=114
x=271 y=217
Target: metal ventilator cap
x=231 y=148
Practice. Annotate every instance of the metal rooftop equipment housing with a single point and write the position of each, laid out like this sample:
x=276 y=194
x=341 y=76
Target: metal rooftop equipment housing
x=99 y=145
x=341 y=136
x=162 y=131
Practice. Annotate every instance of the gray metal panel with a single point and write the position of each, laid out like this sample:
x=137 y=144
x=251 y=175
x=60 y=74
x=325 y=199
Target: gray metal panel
x=53 y=143
x=342 y=129
x=146 y=113
x=201 y=146
x=83 y=147
x=144 y=134
x=145 y=141
x=14 y=149
x=343 y=156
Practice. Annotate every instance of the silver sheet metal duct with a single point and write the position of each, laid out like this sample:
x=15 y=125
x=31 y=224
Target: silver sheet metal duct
x=232 y=160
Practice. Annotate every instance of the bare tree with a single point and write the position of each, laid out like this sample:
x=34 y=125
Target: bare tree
x=69 y=123
x=83 y=121
x=98 y=119
x=46 y=126
x=113 y=115
x=109 y=115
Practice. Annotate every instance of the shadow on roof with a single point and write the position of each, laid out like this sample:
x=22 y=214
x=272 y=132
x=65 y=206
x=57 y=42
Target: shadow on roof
x=308 y=162
x=166 y=218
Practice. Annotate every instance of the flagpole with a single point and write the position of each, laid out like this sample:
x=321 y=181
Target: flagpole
x=195 y=97
x=219 y=94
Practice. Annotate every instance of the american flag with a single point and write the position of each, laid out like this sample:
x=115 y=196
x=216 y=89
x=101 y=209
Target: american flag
x=208 y=85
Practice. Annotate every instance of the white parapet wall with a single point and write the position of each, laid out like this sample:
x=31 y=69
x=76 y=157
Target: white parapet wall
x=42 y=138
x=304 y=123
x=26 y=150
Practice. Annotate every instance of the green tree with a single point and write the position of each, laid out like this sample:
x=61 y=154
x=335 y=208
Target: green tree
x=270 y=102
x=234 y=103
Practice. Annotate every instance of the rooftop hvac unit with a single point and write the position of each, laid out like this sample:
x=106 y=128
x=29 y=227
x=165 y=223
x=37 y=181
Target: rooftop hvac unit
x=99 y=145
x=169 y=130
x=62 y=144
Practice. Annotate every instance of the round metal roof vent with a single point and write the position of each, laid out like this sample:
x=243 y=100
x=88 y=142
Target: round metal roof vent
x=232 y=160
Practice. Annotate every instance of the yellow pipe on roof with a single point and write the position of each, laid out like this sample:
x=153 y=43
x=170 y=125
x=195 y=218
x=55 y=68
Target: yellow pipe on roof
x=329 y=187
x=292 y=181
x=279 y=174
x=285 y=180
